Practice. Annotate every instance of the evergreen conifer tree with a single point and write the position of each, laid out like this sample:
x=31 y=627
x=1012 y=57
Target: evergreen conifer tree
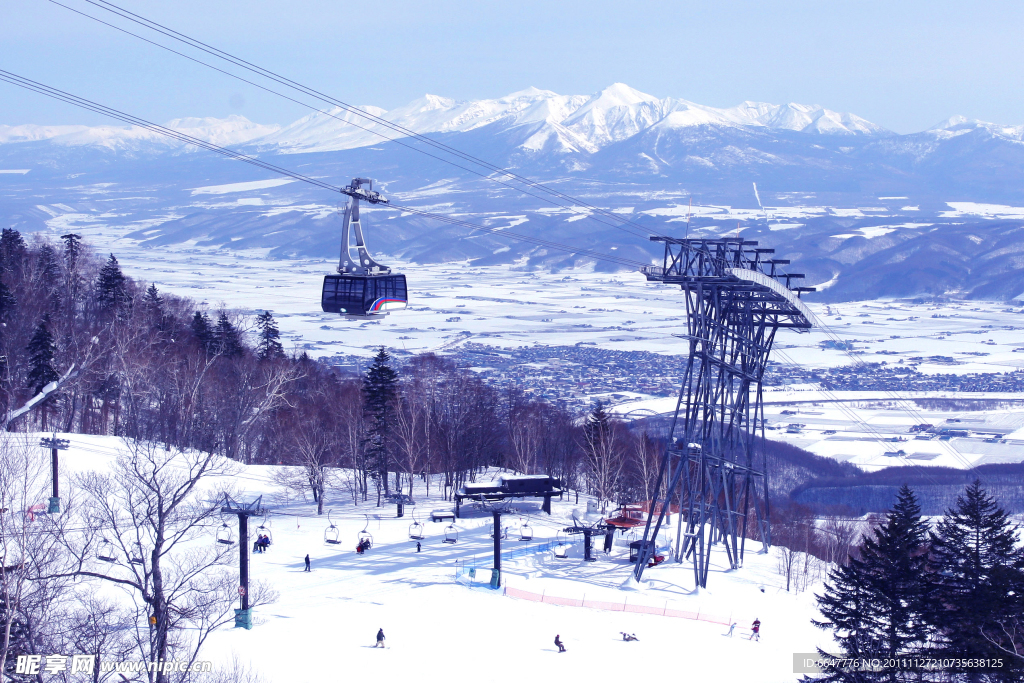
x=380 y=387
x=978 y=571
x=41 y=349
x=153 y=304
x=876 y=604
x=201 y=329
x=48 y=276
x=7 y=303
x=226 y=338
x=72 y=250
x=12 y=250
x=269 y=344
x=72 y=254
x=111 y=285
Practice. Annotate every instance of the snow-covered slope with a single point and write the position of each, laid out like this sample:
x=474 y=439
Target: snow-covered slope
x=323 y=623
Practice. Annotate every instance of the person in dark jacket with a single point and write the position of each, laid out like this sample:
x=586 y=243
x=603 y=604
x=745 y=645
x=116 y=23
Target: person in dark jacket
x=417 y=546
x=307 y=562
x=558 y=644
x=380 y=638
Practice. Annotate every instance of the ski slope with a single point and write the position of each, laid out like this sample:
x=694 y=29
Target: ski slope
x=322 y=627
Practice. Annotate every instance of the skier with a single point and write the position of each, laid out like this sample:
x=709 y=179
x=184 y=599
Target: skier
x=417 y=546
x=380 y=638
x=755 y=630
x=307 y=563
x=558 y=644
x=628 y=636
x=732 y=627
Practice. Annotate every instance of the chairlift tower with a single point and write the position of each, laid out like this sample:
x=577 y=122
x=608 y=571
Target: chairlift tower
x=243 y=615
x=737 y=298
x=55 y=445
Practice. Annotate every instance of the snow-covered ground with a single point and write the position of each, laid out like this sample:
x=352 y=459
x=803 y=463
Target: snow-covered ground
x=499 y=306
x=323 y=625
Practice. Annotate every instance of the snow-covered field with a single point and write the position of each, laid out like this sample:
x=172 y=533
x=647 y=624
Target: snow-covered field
x=454 y=303
x=323 y=625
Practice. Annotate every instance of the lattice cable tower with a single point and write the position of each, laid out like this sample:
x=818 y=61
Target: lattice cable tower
x=712 y=471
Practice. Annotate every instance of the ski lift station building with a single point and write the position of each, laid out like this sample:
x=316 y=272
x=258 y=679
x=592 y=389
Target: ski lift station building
x=509 y=486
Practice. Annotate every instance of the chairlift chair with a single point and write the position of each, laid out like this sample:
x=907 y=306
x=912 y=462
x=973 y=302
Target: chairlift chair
x=225 y=534
x=451 y=534
x=416 y=529
x=332 y=532
x=106 y=551
x=365 y=537
x=525 y=532
x=264 y=529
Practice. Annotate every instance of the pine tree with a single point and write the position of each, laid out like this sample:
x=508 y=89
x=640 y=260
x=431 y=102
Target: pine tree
x=979 y=575
x=72 y=250
x=48 y=276
x=153 y=300
x=227 y=341
x=12 y=250
x=876 y=604
x=269 y=344
x=72 y=253
x=380 y=387
x=111 y=285
x=41 y=349
x=201 y=329
x=7 y=303
x=154 y=306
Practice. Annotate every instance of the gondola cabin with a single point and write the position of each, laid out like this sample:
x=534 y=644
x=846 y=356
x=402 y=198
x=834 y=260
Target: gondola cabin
x=362 y=288
x=364 y=296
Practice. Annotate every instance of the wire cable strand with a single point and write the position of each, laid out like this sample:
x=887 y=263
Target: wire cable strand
x=63 y=96
x=573 y=203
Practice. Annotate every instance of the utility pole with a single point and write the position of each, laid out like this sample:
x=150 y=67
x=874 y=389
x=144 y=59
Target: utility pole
x=55 y=445
x=243 y=615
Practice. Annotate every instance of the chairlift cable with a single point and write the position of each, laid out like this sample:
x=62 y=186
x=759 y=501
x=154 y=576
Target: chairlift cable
x=83 y=103
x=266 y=73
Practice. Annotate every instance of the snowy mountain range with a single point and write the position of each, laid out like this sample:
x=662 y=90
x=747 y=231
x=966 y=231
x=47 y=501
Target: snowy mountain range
x=836 y=192
x=563 y=123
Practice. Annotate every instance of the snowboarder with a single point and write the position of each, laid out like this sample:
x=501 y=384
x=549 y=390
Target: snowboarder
x=380 y=638
x=558 y=644
x=417 y=546
x=307 y=563
x=732 y=627
x=628 y=636
x=755 y=630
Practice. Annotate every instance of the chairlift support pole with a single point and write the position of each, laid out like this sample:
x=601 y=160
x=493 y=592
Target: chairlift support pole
x=496 y=572
x=243 y=615
x=55 y=445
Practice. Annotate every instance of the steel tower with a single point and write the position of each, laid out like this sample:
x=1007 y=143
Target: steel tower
x=736 y=300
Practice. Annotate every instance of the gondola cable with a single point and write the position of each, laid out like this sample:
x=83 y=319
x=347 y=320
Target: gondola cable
x=83 y=103
x=266 y=73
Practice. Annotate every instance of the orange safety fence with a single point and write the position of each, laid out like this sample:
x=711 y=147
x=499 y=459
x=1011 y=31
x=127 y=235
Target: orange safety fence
x=624 y=606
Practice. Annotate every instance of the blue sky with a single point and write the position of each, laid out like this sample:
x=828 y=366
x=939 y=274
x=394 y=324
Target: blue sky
x=905 y=65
